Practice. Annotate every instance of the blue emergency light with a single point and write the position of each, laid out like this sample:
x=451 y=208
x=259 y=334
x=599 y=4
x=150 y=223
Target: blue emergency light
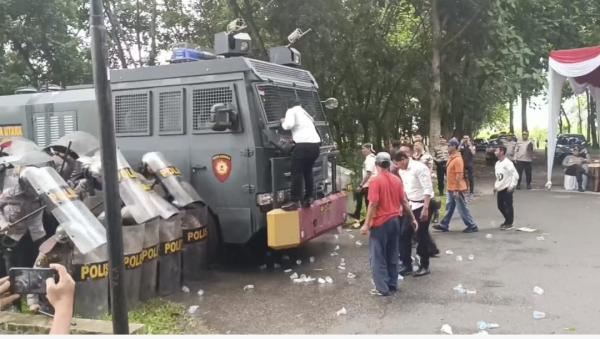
x=188 y=54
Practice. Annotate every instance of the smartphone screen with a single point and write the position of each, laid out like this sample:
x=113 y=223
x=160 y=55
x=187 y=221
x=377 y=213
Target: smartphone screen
x=26 y=280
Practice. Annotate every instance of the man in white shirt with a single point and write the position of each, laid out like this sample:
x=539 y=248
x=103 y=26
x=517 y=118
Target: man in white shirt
x=305 y=153
x=507 y=178
x=368 y=171
x=418 y=186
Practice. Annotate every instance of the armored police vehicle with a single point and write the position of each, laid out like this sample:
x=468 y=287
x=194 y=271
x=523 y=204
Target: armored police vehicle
x=217 y=118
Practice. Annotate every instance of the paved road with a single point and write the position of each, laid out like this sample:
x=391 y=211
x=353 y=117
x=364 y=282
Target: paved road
x=504 y=272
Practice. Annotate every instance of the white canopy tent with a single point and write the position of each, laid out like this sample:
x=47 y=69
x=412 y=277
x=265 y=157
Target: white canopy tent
x=581 y=67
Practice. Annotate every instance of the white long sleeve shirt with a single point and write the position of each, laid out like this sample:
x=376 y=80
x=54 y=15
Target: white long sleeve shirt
x=506 y=175
x=301 y=124
x=417 y=183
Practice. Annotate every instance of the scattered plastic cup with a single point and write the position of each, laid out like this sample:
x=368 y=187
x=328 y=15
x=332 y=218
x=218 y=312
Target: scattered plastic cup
x=200 y=293
x=471 y=257
x=185 y=289
x=449 y=252
x=537 y=315
x=459 y=258
x=446 y=329
x=298 y=262
x=248 y=287
x=192 y=309
x=482 y=325
x=311 y=259
x=538 y=290
x=342 y=311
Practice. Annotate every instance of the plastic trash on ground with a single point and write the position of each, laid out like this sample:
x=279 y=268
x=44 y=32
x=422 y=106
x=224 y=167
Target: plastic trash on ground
x=358 y=243
x=294 y=276
x=471 y=257
x=311 y=259
x=192 y=309
x=321 y=281
x=341 y=267
x=489 y=236
x=471 y=291
x=460 y=289
x=248 y=287
x=351 y=275
x=526 y=229
x=334 y=254
x=537 y=315
x=351 y=236
x=482 y=332
x=400 y=277
x=200 y=293
x=336 y=236
x=449 y=252
x=446 y=329
x=482 y=325
x=459 y=258
x=329 y=280
x=538 y=290
x=342 y=311
x=287 y=271
x=185 y=289
x=541 y=238
x=298 y=262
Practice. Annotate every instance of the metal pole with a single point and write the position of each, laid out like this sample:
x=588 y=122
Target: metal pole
x=109 y=169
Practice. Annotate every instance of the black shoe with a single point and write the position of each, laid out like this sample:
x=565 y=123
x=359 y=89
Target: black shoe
x=471 y=230
x=506 y=227
x=581 y=189
x=393 y=289
x=529 y=186
x=404 y=271
x=290 y=206
x=307 y=202
x=439 y=228
x=421 y=272
x=375 y=292
x=434 y=253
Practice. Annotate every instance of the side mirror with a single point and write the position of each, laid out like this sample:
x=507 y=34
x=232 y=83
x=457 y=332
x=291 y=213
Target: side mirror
x=330 y=103
x=223 y=117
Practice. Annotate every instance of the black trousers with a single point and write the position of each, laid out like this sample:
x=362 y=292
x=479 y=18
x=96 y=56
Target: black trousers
x=524 y=166
x=441 y=173
x=505 y=205
x=578 y=171
x=425 y=245
x=359 y=197
x=470 y=177
x=304 y=156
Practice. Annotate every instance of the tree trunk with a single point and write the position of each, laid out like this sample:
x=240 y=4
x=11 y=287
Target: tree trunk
x=138 y=39
x=524 y=99
x=115 y=33
x=589 y=113
x=511 y=113
x=435 y=124
x=592 y=114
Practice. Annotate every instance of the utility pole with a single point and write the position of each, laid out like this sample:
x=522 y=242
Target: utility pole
x=112 y=201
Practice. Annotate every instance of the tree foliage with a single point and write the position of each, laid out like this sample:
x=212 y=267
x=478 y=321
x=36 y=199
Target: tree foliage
x=373 y=55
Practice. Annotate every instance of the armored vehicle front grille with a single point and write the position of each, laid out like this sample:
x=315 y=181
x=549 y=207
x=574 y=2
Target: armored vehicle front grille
x=132 y=114
x=275 y=99
x=267 y=70
x=51 y=126
x=170 y=112
x=203 y=99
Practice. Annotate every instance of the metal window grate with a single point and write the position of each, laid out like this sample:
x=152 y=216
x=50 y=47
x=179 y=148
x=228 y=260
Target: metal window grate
x=325 y=135
x=275 y=100
x=170 y=112
x=132 y=114
x=203 y=99
x=267 y=70
x=39 y=126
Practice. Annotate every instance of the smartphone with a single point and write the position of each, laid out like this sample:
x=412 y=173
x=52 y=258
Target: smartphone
x=27 y=280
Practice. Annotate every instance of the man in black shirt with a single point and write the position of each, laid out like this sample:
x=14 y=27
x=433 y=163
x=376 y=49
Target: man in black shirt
x=467 y=151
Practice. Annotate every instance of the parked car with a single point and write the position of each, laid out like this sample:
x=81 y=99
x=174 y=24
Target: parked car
x=480 y=144
x=565 y=144
x=490 y=150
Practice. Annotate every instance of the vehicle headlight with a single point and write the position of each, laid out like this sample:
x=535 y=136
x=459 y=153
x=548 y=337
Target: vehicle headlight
x=264 y=199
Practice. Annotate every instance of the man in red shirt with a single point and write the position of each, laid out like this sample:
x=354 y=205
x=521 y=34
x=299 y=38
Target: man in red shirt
x=387 y=203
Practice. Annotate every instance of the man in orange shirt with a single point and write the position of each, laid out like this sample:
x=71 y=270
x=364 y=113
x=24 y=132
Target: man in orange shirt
x=387 y=203
x=457 y=186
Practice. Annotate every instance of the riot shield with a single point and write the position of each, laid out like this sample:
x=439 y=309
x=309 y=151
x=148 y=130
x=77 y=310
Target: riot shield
x=86 y=232
x=169 y=261
x=22 y=152
x=90 y=271
x=150 y=260
x=133 y=243
x=78 y=143
x=195 y=242
x=170 y=177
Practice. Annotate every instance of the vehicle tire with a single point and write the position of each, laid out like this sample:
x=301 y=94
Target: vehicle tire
x=215 y=246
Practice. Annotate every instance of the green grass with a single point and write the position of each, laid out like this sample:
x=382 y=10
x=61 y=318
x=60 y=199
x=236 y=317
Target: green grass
x=159 y=317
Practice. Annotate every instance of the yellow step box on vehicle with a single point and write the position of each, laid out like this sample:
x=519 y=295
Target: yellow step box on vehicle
x=283 y=229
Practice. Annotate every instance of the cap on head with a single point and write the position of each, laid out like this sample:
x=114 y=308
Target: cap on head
x=383 y=157
x=453 y=142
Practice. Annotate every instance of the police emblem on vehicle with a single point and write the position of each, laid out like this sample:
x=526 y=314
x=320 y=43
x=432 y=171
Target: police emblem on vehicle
x=221 y=165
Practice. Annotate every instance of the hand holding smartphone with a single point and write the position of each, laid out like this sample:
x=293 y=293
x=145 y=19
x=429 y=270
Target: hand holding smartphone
x=27 y=280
